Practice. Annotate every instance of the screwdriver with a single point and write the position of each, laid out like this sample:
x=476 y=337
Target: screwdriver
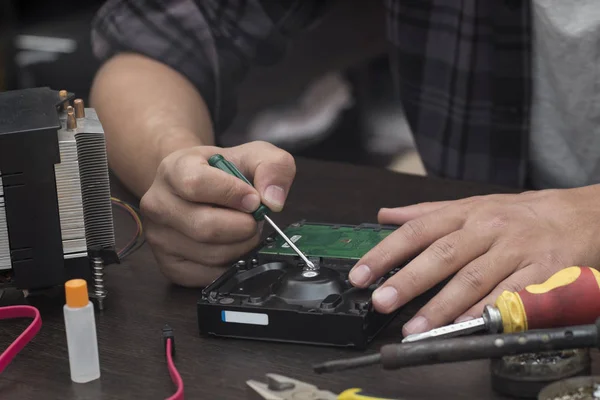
x=569 y=297
x=400 y=355
x=218 y=161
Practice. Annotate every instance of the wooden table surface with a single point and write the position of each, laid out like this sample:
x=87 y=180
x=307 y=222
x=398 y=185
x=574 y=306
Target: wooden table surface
x=141 y=301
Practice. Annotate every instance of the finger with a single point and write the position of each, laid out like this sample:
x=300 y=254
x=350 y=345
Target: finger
x=170 y=241
x=272 y=170
x=466 y=288
x=184 y=272
x=190 y=177
x=532 y=274
x=405 y=242
x=202 y=223
x=400 y=215
x=440 y=260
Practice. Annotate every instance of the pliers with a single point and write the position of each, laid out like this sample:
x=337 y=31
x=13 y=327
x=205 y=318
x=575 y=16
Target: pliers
x=279 y=387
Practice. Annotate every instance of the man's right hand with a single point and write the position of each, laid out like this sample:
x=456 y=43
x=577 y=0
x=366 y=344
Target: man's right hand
x=198 y=218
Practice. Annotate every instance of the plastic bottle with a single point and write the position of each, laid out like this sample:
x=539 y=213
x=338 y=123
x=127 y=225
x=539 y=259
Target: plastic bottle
x=80 y=325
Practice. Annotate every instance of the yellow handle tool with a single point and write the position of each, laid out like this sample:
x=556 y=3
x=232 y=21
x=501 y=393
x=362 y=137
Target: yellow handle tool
x=569 y=297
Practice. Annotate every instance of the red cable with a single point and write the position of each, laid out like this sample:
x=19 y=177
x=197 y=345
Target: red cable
x=28 y=334
x=175 y=377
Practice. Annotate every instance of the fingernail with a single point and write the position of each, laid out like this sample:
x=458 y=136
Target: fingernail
x=360 y=275
x=385 y=296
x=416 y=325
x=250 y=202
x=463 y=319
x=275 y=195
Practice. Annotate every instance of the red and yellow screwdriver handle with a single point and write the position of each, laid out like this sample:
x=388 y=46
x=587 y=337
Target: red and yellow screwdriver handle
x=569 y=297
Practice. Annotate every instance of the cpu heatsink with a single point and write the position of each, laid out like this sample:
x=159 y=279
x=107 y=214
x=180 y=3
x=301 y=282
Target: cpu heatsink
x=56 y=218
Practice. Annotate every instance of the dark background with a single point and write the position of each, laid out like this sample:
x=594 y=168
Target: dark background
x=334 y=45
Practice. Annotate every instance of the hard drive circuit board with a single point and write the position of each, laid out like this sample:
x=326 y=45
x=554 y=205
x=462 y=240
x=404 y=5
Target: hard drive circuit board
x=323 y=240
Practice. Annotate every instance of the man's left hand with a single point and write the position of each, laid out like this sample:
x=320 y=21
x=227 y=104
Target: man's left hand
x=492 y=243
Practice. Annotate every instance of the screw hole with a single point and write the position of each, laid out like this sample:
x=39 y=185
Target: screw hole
x=569 y=335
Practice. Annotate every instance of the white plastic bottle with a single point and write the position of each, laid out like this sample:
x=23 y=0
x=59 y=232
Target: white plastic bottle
x=80 y=325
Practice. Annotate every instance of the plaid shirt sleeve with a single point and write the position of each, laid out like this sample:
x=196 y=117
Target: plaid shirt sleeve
x=465 y=83
x=211 y=42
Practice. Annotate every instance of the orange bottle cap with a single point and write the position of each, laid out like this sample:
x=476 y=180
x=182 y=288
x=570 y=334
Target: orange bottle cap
x=76 y=293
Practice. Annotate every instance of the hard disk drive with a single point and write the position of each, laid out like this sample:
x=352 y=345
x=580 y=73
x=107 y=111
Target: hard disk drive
x=269 y=295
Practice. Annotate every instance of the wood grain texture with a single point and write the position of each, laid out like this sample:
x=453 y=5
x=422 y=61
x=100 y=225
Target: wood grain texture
x=141 y=301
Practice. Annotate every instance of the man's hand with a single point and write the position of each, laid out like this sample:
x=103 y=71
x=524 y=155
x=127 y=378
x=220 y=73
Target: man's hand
x=198 y=217
x=492 y=243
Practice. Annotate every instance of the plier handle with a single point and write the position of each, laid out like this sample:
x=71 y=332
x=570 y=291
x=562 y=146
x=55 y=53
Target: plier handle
x=358 y=394
x=279 y=387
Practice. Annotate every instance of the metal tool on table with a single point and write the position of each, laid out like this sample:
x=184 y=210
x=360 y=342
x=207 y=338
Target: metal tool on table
x=580 y=387
x=218 y=161
x=279 y=387
x=524 y=375
x=569 y=297
x=395 y=356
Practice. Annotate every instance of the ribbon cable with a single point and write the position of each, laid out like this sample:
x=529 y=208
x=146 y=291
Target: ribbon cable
x=13 y=312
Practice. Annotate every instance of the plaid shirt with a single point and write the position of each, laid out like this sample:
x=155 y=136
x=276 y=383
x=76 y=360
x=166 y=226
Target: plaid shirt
x=463 y=68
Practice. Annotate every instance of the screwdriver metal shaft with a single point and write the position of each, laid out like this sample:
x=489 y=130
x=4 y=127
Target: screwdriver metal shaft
x=218 y=161
x=307 y=262
x=491 y=322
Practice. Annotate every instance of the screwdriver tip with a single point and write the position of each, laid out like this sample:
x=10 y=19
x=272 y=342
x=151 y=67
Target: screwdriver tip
x=415 y=337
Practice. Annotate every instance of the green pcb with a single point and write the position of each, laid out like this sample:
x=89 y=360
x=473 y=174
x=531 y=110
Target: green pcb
x=321 y=240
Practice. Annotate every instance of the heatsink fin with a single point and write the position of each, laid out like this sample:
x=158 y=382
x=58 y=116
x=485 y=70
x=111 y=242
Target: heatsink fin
x=70 y=203
x=5 y=260
x=95 y=183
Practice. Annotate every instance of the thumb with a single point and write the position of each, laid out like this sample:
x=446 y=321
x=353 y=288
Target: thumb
x=271 y=169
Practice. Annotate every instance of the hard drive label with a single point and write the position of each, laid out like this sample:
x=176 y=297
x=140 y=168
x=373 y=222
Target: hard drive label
x=239 y=317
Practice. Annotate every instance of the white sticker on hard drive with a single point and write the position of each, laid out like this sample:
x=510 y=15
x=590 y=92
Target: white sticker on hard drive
x=238 y=317
x=294 y=239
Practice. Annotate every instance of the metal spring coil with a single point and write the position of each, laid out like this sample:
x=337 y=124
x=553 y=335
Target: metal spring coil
x=98 y=266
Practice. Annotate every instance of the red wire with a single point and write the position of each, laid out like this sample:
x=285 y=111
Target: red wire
x=175 y=377
x=28 y=334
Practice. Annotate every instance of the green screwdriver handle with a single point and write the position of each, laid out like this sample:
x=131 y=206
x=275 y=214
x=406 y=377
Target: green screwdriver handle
x=218 y=161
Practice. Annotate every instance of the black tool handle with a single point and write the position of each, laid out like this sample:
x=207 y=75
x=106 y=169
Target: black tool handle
x=396 y=356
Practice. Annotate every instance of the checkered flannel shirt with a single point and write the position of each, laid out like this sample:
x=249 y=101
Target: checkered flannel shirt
x=462 y=67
